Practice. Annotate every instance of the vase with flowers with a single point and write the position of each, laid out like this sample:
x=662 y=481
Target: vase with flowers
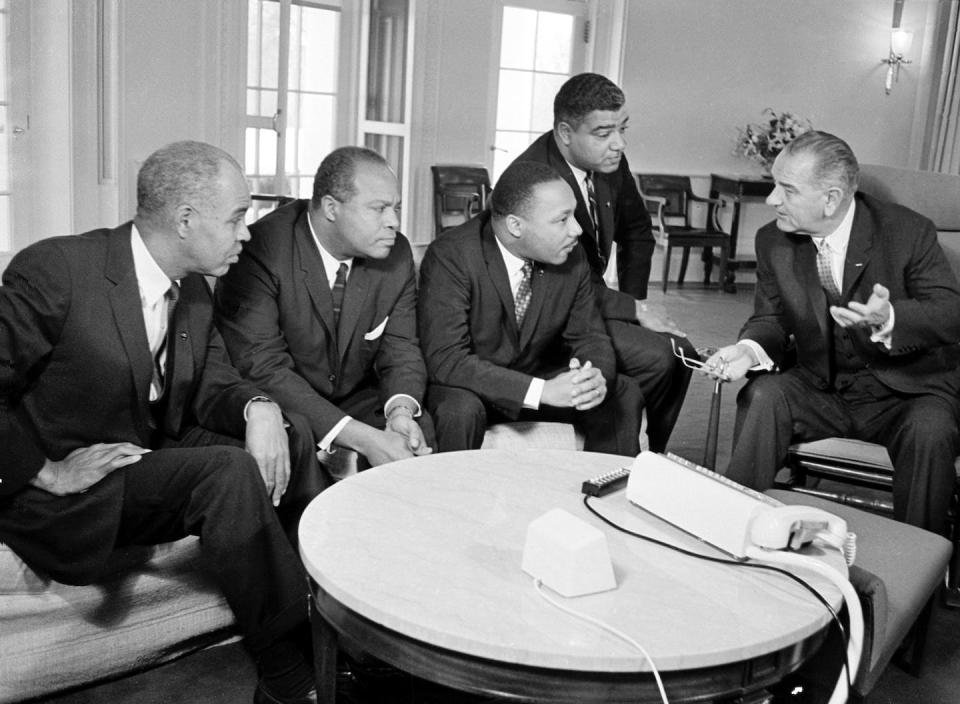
x=762 y=141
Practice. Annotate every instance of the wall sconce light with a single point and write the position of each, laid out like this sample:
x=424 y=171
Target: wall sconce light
x=900 y=41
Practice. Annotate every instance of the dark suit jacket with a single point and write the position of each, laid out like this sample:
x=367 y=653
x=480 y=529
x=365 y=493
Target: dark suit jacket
x=275 y=312
x=889 y=245
x=75 y=370
x=624 y=220
x=468 y=323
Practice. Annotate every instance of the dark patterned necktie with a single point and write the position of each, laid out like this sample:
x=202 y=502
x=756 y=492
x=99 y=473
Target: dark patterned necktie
x=524 y=290
x=825 y=271
x=159 y=362
x=339 y=284
x=592 y=204
x=592 y=207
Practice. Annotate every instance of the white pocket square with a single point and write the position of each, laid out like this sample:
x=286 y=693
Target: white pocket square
x=377 y=331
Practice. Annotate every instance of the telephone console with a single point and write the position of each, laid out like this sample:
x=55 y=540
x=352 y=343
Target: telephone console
x=721 y=512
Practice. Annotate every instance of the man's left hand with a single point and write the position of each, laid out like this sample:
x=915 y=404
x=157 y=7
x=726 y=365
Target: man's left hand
x=873 y=314
x=407 y=426
x=656 y=319
x=268 y=443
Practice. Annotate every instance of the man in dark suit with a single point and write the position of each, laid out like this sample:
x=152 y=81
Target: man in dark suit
x=509 y=326
x=123 y=423
x=863 y=291
x=320 y=311
x=586 y=148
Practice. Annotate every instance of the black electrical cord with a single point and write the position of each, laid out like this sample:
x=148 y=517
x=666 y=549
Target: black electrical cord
x=737 y=563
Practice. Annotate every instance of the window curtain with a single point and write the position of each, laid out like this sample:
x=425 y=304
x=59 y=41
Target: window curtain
x=943 y=151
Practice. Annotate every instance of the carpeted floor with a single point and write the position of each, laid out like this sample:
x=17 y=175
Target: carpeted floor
x=225 y=675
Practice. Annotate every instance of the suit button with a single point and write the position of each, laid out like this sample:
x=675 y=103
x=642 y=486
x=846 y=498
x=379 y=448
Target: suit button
x=332 y=378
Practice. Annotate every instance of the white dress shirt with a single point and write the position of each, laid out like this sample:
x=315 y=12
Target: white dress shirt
x=153 y=285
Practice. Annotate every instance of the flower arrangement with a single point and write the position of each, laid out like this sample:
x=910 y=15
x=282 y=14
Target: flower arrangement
x=764 y=140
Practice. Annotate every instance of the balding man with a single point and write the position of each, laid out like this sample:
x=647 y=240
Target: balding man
x=123 y=423
x=863 y=291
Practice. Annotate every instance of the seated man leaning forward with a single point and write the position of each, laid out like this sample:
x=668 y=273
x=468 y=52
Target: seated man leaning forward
x=320 y=312
x=509 y=326
x=864 y=292
x=123 y=423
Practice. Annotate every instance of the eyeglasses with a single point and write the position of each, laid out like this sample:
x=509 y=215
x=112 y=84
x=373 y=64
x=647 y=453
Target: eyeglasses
x=696 y=364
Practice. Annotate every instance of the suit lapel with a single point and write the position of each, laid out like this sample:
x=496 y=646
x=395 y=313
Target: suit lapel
x=354 y=301
x=589 y=240
x=315 y=279
x=124 y=297
x=604 y=215
x=858 y=252
x=498 y=274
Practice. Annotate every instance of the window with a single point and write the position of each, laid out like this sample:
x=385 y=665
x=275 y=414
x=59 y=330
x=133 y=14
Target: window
x=385 y=102
x=292 y=92
x=7 y=131
x=539 y=51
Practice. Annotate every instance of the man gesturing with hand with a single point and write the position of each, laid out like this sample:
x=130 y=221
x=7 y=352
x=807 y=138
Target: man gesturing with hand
x=508 y=323
x=859 y=291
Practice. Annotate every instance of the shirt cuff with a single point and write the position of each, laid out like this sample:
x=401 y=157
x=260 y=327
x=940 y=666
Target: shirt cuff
x=884 y=335
x=397 y=397
x=255 y=399
x=327 y=440
x=764 y=363
x=534 y=392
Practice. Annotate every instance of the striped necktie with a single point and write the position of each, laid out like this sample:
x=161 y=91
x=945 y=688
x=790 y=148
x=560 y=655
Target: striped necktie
x=524 y=291
x=339 y=284
x=592 y=207
x=160 y=357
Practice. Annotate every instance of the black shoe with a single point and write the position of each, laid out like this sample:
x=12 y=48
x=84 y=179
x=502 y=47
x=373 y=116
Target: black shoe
x=264 y=696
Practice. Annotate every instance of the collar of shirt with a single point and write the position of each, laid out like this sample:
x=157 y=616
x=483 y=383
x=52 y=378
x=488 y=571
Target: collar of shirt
x=581 y=175
x=330 y=262
x=839 y=238
x=514 y=266
x=152 y=281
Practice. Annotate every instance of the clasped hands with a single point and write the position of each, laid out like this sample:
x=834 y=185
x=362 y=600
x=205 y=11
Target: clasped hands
x=581 y=387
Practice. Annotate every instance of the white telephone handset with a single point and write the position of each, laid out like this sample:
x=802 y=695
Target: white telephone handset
x=791 y=527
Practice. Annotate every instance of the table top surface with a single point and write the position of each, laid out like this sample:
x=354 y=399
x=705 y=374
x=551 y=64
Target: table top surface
x=431 y=548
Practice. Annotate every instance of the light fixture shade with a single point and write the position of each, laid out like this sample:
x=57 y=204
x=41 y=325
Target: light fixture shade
x=900 y=41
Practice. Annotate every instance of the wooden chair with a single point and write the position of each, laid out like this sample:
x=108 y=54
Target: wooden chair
x=263 y=203
x=459 y=192
x=671 y=197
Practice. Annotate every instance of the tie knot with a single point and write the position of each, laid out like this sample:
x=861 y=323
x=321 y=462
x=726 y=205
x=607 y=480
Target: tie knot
x=527 y=267
x=173 y=293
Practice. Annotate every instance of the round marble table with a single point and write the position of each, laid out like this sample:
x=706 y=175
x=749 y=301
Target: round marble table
x=418 y=563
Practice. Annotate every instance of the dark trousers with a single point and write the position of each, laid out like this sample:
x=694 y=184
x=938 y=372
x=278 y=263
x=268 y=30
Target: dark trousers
x=920 y=432
x=204 y=485
x=647 y=358
x=462 y=417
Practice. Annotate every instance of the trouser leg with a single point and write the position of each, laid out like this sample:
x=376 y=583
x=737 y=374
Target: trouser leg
x=773 y=411
x=648 y=358
x=922 y=438
x=614 y=425
x=459 y=417
x=217 y=493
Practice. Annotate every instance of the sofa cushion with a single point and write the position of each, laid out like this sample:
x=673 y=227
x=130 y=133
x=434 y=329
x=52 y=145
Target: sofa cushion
x=153 y=605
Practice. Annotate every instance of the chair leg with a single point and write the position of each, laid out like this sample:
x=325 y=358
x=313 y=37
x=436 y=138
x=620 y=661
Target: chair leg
x=724 y=258
x=666 y=267
x=684 y=260
x=707 y=258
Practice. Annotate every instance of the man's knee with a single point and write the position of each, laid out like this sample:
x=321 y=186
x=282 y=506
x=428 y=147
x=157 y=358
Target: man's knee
x=764 y=392
x=459 y=417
